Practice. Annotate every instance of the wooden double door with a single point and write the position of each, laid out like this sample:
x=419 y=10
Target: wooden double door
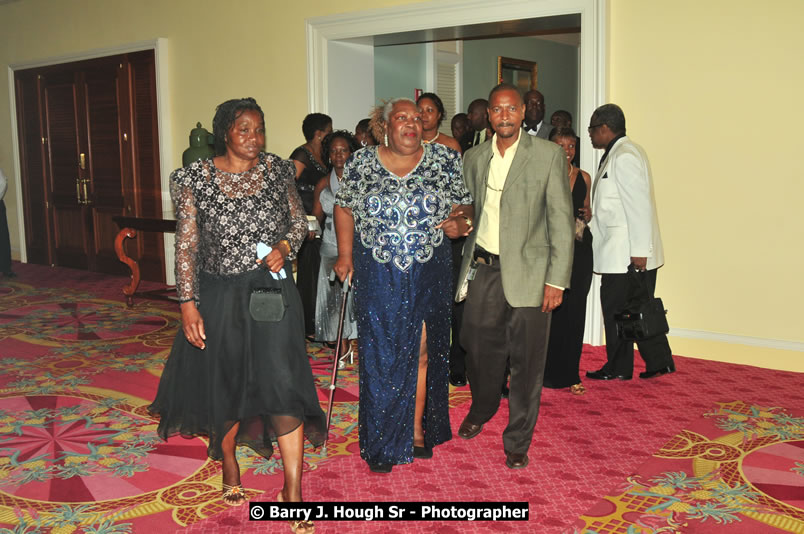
x=89 y=151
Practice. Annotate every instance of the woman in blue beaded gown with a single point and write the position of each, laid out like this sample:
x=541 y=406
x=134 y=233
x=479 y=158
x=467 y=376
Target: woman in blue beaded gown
x=396 y=203
x=233 y=376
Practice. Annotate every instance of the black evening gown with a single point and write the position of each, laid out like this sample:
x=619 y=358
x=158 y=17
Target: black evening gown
x=253 y=372
x=567 y=324
x=309 y=259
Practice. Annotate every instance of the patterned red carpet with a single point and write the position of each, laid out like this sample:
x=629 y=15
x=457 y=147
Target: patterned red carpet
x=740 y=468
x=79 y=453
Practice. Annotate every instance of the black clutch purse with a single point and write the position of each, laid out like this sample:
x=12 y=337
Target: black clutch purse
x=643 y=317
x=267 y=304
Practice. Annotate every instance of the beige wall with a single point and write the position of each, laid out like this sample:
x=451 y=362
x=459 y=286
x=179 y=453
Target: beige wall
x=697 y=80
x=249 y=48
x=712 y=91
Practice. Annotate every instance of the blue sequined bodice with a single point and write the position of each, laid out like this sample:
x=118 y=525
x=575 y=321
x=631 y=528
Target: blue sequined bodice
x=395 y=217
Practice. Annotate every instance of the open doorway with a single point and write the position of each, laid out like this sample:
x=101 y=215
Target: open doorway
x=460 y=71
x=340 y=60
x=341 y=48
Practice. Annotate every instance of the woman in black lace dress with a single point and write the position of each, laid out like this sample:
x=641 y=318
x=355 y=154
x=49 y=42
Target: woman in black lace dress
x=310 y=168
x=231 y=377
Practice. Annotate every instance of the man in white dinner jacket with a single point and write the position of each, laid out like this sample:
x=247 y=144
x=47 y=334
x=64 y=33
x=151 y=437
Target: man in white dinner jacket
x=625 y=233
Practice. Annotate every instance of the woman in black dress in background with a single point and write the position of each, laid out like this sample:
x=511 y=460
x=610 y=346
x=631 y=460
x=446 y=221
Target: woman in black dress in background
x=310 y=168
x=567 y=324
x=237 y=379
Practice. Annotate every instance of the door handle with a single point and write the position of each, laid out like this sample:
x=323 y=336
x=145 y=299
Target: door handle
x=84 y=183
x=82 y=161
x=78 y=191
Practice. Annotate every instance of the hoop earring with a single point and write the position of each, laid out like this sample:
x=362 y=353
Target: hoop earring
x=385 y=140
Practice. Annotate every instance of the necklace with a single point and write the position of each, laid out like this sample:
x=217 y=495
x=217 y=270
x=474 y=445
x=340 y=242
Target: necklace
x=427 y=142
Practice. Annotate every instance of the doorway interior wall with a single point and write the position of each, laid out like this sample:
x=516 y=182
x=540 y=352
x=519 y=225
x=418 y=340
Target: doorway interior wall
x=340 y=47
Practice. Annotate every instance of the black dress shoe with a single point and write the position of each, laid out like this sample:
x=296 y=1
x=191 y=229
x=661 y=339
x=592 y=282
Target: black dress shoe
x=605 y=375
x=505 y=391
x=380 y=468
x=516 y=461
x=457 y=379
x=469 y=430
x=422 y=452
x=659 y=372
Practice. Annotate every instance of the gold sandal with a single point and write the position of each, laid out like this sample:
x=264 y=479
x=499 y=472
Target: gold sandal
x=234 y=495
x=301 y=526
x=577 y=389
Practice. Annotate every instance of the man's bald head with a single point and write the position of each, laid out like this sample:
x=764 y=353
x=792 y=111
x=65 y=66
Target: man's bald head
x=478 y=114
x=534 y=108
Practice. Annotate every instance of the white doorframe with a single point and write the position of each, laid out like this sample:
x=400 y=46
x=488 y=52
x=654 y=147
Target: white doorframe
x=430 y=69
x=159 y=46
x=449 y=13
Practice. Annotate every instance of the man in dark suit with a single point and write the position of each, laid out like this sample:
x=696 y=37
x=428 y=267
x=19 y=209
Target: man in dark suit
x=479 y=119
x=522 y=251
x=534 y=122
x=462 y=130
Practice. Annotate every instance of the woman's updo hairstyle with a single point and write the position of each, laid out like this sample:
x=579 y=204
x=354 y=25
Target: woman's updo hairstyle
x=225 y=116
x=438 y=104
x=346 y=135
x=379 y=117
x=562 y=131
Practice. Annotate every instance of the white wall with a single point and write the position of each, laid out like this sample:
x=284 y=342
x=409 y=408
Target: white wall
x=350 y=92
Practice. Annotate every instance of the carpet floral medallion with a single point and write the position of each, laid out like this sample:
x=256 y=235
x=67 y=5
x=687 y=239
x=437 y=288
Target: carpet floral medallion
x=738 y=469
x=78 y=447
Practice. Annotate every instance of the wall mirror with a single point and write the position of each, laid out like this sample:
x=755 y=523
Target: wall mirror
x=520 y=73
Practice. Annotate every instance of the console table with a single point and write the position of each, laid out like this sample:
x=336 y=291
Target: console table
x=128 y=229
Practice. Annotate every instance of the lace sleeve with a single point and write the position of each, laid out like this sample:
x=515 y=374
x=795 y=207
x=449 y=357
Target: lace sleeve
x=186 y=236
x=298 y=218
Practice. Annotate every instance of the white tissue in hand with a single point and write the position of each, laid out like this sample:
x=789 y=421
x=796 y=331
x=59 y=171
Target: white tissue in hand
x=262 y=251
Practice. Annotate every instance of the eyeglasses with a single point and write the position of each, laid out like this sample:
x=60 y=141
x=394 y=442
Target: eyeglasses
x=593 y=126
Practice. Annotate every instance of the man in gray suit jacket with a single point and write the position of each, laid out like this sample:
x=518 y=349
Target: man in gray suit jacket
x=522 y=251
x=626 y=237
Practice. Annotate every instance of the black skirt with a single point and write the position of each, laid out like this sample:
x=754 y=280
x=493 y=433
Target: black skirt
x=251 y=372
x=307 y=267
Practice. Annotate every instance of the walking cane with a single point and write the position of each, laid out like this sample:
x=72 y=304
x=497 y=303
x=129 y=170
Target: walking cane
x=345 y=291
